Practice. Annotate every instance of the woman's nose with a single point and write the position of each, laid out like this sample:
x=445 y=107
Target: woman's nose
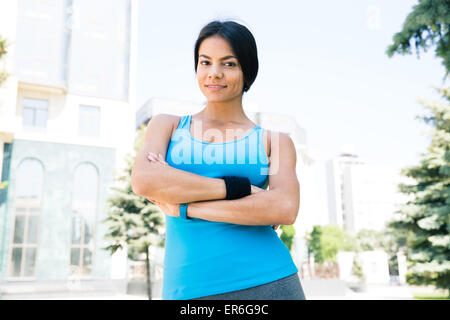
x=215 y=72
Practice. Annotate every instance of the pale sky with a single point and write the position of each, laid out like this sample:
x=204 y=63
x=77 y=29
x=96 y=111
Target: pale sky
x=322 y=62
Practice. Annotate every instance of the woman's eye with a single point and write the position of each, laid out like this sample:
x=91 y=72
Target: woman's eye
x=232 y=64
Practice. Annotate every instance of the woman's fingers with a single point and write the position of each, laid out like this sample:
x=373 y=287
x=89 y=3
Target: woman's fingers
x=161 y=158
x=157 y=158
x=151 y=157
x=255 y=189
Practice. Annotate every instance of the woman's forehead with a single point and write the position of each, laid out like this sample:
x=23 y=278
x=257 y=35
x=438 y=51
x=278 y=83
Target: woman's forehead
x=215 y=46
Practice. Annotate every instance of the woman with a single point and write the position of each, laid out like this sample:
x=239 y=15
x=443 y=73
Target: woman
x=211 y=183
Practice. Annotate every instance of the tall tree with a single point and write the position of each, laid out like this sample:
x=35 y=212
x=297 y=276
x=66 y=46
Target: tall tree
x=133 y=222
x=426 y=216
x=428 y=25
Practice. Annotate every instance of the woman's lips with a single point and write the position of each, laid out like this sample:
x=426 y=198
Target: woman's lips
x=216 y=88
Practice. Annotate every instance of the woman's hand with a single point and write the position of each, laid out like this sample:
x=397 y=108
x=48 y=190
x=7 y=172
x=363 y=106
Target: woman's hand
x=255 y=189
x=172 y=210
x=156 y=159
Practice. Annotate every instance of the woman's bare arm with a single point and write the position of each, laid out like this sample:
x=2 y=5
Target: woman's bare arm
x=278 y=205
x=165 y=183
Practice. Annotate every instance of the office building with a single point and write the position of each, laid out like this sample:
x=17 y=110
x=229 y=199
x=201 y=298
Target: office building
x=66 y=122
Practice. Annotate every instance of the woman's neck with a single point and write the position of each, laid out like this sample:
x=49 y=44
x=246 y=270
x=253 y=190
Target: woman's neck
x=224 y=112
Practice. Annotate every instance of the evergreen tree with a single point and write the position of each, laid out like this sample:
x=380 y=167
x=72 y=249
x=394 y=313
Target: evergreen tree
x=428 y=24
x=133 y=222
x=426 y=216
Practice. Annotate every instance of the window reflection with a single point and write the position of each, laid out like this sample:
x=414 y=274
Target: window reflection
x=27 y=209
x=29 y=180
x=16 y=261
x=30 y=261
x=42 y=42
x=100 y=46
x=84 y=208
x=94 y=34
x=19 y=229
x=34 y=112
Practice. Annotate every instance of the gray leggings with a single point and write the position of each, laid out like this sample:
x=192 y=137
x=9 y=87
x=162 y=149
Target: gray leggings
x=288 y=288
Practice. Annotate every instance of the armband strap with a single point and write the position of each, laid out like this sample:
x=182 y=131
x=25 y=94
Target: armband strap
x=183 y=211
x=237 y=187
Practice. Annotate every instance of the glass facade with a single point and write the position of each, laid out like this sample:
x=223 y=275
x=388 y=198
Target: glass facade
x=42 y=42
x=80 y=45
x=100 y=45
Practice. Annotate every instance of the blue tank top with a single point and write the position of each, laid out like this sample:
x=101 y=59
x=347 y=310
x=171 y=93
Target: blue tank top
x=203 y=257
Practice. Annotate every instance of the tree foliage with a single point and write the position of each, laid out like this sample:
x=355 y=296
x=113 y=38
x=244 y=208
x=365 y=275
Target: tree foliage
x=324 y=242
x=368 y=240
x=426 y=216
x=287 y=235
x=427 y=25
x=3 y=45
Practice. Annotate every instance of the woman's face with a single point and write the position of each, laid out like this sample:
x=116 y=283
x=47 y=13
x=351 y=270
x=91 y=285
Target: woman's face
x=217 y=65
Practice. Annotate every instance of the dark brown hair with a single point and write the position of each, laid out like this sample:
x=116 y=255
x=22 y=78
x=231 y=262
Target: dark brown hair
x=241 y=41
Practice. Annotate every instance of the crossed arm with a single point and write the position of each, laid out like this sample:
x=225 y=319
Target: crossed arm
x=154 y=180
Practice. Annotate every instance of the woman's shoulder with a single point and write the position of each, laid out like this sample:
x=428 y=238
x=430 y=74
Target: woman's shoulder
x=165 y=117
x=273 y=137
x=165 y=121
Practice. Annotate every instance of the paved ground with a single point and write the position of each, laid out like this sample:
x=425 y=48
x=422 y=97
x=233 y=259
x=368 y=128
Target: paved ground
x=373 y=292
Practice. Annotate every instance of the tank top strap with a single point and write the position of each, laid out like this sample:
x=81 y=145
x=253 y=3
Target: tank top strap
x=263 y=153
x=260 y=135
x=184 y=122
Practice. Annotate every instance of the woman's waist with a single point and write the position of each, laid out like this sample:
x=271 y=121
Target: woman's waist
x=223 y=242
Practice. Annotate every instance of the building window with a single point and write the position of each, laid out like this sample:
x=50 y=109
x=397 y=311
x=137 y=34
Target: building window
x=89 y=121
x=84 y=209
x=35 y=113
x=27 y=210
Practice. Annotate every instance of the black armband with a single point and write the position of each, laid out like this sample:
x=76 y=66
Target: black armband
x=237 y=187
